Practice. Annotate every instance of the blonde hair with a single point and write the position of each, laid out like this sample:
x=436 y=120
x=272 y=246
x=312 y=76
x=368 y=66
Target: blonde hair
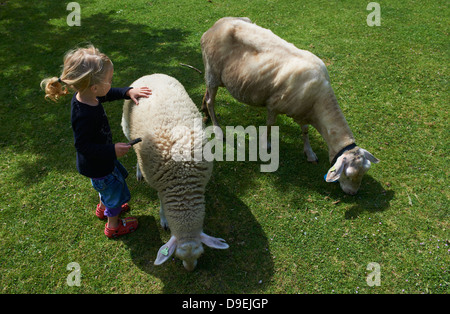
x=83 y=67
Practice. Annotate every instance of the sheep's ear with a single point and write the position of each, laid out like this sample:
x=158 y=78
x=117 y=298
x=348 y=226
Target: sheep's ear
x=369 y=156
x=215 y=243
x=166 y=251
x=335 y=172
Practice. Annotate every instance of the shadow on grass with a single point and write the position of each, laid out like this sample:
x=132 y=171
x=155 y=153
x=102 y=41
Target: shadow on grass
x=245 y=267
x=34 y=44
x=33 y=48
x=40 y=132
x=295 y=172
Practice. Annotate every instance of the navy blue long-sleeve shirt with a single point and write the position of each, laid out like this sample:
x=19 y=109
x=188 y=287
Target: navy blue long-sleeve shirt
x=92 y=134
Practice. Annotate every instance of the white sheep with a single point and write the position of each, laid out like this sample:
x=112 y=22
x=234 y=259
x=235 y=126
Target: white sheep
x=259 y=68
x=167 y=121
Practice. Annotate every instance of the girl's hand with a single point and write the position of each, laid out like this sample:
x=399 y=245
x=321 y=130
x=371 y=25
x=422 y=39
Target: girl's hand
x=121 y=149
x=138 y=92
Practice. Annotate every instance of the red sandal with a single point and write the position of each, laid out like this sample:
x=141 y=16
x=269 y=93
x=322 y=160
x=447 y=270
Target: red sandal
x=126 y=225
x=100 y=213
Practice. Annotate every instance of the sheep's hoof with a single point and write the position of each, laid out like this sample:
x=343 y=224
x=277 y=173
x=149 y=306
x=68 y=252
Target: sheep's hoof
x=312 y=158
x=164 y=224
x=313 y=161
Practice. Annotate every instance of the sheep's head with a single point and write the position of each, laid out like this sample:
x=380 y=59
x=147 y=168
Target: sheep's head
x=350 y=168
x=188 y=251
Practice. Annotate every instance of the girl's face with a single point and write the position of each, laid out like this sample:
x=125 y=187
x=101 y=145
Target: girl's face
x=103 y=87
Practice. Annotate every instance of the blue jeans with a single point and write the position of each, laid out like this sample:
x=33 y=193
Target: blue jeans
x=113 y=190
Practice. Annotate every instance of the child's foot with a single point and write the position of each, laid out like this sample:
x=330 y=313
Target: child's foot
x=100 y=212
x=126 y=225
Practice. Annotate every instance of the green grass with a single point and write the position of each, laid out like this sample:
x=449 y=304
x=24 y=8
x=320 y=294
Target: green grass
x=289 y=231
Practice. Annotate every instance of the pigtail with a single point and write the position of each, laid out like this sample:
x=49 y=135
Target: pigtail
x=54 y=88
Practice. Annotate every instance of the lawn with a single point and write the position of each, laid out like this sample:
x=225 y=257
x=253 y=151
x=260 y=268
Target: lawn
x=288 y=231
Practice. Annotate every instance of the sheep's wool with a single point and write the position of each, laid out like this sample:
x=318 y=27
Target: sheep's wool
x=168 y=119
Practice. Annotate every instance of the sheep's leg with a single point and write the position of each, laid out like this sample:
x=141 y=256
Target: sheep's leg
x=210 y=97
x=265 y=137
x=138 y=173
x=204 y=107
x=162 y=217
x=310 y=155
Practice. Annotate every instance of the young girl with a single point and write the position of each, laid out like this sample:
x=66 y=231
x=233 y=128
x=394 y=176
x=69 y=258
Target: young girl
x=89 y=73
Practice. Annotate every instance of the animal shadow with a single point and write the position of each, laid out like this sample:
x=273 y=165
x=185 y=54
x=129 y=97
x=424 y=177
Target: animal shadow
x=245 y=267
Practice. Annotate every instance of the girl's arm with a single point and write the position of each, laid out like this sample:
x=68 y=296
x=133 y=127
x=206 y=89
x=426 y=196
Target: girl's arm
x=115 y=93
x=126 y=93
